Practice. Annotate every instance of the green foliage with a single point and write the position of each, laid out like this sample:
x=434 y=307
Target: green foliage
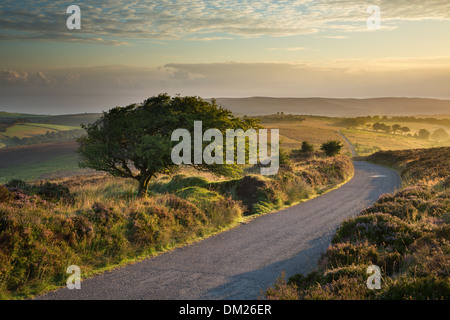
x=405 y=130
x=353 y=122
x=307 y=147
x=139 y=136
x=396 y=128
x=332 y=148
x=362 y=149
x=178 y=182
x=381 y=127
x=424 y=288
x=198 y=195
x=284 y=157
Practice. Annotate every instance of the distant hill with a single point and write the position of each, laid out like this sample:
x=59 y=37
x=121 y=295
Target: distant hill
x=65 y=120
x=336 y=107
x=257 y=106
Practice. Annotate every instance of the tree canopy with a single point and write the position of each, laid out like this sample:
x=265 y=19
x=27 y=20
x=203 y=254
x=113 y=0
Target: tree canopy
x=135 y=141
x=424 y=134
x=440 y=135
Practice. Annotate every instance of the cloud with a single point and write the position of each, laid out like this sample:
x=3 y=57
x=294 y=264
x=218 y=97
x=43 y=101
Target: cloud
x=109 y=22
x=31 y=79
x=41 y=78
x=101 y=88
x=17 y=78
x=13 y=77
x=72 y=79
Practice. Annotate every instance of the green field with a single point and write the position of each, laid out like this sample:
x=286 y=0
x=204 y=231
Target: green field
x=38 y=170
x=13 y=116
x=33 y=127
x=30 y=129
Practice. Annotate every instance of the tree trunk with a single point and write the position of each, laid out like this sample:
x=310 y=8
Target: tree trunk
x=143 y=186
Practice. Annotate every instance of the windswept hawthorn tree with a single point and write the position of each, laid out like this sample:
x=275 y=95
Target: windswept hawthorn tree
x=135 y=141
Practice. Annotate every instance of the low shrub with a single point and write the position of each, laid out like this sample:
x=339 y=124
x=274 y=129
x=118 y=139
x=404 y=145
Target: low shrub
x=416 y=288
x=281 y=290
x=345 y=254
x=5 y=194
x=47 y=191
x=377 y=228
x=53 y=191
x=102 y=215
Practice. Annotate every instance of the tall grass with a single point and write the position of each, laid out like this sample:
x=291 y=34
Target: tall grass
x=100 y=226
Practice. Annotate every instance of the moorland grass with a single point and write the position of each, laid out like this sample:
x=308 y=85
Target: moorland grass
x=406 y=234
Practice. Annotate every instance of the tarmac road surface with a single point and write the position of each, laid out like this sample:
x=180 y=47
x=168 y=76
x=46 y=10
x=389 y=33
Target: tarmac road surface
x=241 y=263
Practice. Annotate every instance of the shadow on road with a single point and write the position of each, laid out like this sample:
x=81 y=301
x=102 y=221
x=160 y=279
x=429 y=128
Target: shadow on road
x=250 y=286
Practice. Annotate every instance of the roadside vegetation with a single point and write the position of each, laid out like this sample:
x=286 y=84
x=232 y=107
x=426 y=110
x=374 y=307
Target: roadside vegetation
x=98 y=222
x=144 y=204
x=406 y=234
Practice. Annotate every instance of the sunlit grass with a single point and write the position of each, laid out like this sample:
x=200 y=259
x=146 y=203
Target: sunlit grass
x=313 y=130
x=369 y=142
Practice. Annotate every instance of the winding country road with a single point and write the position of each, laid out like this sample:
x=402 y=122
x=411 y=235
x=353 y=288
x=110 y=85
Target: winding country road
x=242 y=262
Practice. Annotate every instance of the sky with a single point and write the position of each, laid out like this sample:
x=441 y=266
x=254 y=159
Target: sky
x=127 y=51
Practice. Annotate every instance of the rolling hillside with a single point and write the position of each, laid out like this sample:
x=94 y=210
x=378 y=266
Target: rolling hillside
x=336 y=107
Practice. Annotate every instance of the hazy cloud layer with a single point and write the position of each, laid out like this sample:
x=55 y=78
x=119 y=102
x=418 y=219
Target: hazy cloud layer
x=101 y=88
x=113 y=22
